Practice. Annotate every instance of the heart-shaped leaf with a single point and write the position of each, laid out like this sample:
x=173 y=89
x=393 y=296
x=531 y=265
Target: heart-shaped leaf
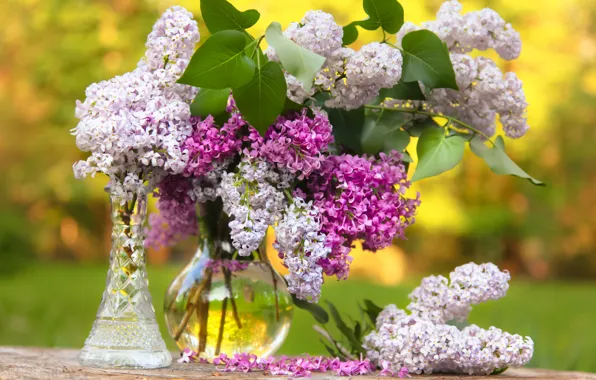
x=385 y=14
x=221 y=15
x=426 y=59
x=220 y=62
x=298 y=61
x=498 y=161
x=350 y=33
x=437 y=153
x=404 y=91
x=263 y=98
x=210 y=102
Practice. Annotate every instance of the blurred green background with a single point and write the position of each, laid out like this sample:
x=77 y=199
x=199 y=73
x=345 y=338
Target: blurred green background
x=54 y=230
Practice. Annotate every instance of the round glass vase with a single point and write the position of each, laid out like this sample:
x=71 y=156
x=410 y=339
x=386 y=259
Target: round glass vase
x=221 y=303
x=125 y=333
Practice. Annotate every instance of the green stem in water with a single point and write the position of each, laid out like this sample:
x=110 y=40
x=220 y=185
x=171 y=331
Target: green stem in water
x=222 y=323
x=228 y=280
x=203 y=313
x=262 y=252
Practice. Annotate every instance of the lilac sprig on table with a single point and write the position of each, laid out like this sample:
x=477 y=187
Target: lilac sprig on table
x=424 y=341
x=294 y=367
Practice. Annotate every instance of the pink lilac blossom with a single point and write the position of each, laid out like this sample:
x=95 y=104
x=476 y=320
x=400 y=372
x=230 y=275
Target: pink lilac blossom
x=301 y=246
x=484 y=92
x=360 y=198
x=424 y=343
x=177 y=217
x=297 y=142
x=298 y=366
x=209 y=145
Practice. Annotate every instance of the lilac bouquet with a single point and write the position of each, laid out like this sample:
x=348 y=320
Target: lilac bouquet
x=308 y=136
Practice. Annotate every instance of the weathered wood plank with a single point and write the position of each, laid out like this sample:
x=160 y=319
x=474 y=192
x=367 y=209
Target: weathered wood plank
x=46 y=363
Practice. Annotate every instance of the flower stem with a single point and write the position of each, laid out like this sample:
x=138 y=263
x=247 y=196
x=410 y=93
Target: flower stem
x=203 y=314
x=222 y=323
x=431 y=114
x=192 y=304
x=228 y=280
x=264 y=258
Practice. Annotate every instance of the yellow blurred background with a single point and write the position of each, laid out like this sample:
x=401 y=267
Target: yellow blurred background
x=54 y=230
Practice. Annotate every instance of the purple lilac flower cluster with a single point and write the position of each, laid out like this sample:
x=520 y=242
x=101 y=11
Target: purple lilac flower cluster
x=294 y=367
x=177 y=217
x=297 y=143
x=208 y=144
x=360 y=197
x=424 y=343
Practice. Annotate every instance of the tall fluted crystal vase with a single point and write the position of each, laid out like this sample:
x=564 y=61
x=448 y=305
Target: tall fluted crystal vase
x=125 y=333
x=224 y=303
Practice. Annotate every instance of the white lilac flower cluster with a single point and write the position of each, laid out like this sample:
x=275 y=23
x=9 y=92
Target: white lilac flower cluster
x=253 y=203
x=424 y=343
x=440 y=301
x=301 y=245
x=133 y=124
x=484 y=92
x=352 y=78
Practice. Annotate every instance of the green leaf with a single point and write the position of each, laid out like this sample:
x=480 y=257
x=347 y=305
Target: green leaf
x=407 y=158
x=220 y=63
x=333 y=353
x=210 y=102
x=347 y=127
x=372 y=310
x=499 y=371
x=386 y=14
x=350 y=34
x=262 y=99
x=426 y=59
x=298 y=61
x=343 y=328
x=358 y=331
x=315 y=310
x=292 y=106
x=382 y=132
x=498 y=161
x=437 y=153
x=221 y=15
x=403 y=91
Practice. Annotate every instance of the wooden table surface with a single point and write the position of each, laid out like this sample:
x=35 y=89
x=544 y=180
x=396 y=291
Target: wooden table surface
x=50 y=364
